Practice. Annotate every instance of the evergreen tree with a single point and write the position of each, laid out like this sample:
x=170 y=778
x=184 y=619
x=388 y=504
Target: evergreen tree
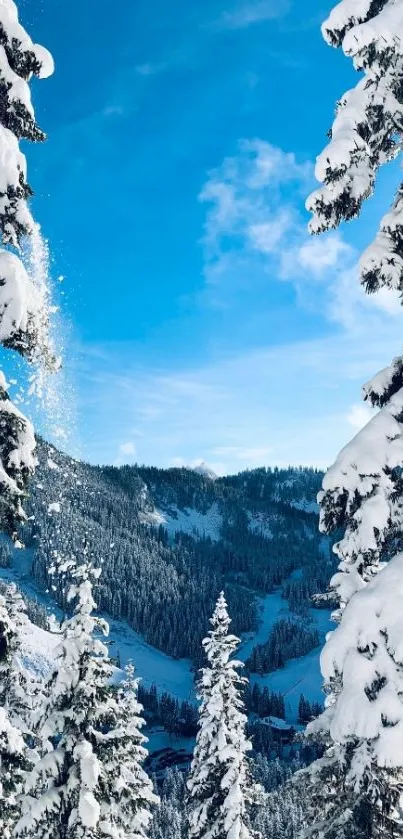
x=127 y=793
x=90 y=782
x=62 y=796
x=169 y=821
x=356 y=789
x=220 y=787
x=23 y=300
x=20 y=691
x=14 y=710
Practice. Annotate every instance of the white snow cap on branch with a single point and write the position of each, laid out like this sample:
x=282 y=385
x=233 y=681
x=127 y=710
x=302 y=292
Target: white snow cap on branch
x=21 y=302
x=14 y=30
x=366 y=133
x=385 y=384
x=367 y=648
x=359 y=493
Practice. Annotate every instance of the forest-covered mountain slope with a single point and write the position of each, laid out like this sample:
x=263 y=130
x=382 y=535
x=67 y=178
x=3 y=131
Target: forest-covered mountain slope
x=169 y=540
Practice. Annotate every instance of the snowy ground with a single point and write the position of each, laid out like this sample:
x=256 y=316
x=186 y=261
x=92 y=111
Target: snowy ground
x=154 y=667
x=189 y=521
x=260 y=523
x=308 y=506
x=175 y=676
x=272 y=607
x=301 y=675
x=38 y=650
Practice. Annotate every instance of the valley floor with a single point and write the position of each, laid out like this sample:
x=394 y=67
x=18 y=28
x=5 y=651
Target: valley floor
x=176 y=677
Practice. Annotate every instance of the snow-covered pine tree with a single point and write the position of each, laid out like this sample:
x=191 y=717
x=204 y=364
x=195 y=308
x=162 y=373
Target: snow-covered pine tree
x=220 y=789
x=366 y=133
x=169 y=819
x=356 y=790
x=14 y=709
x=23 y=301
x=61 y=798
x=20 y=691
x=77 y=790
x=127 y=792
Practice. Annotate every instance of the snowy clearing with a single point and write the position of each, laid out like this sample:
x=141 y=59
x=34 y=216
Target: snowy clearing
x=189 y=520
x=260 y=523
x=152 y=666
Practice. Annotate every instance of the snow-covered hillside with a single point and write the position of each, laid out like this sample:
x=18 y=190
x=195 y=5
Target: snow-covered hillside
x=176 y=677
x=168 y=541
x=206 y=525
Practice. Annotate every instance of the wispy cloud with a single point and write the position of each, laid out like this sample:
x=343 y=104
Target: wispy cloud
x=288 y=403
x=128 y=448
x=126 y=453
x=150 y=68
x=253 y=12
x=256 y=229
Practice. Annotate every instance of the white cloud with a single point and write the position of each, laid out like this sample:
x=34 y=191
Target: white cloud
x=317 y=255
x=252 y=456
x=271 y=165
x=276 y=405
x=267 y=236
x=256 y=231
x=128 y=448
x=388 y=300
x=247 y=218
x=113 y=111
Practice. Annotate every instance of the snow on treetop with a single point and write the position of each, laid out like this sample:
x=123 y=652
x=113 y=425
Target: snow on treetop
x=364 y=458
x=367 y=647
x=20 y=300
x=385 y=384
x=345 y=15
x=15 y=32
x=380 y=30
x=46 y=61
x=366 y=133
x=360 y=494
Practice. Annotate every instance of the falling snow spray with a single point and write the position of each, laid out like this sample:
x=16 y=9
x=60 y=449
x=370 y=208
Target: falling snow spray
x=49 y=386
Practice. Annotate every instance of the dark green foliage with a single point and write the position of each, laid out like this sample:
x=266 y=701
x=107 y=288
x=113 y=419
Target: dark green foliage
x=165 y=586
x=307 y=711
x=263 y=702
x=280 y=818
x=5 y=555
x=180 y=718
x=288 y=639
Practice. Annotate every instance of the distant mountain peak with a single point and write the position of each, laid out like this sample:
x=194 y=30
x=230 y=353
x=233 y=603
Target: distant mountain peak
x=205 y=470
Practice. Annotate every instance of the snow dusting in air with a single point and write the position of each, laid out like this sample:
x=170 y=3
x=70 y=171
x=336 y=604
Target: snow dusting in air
x=50 y=392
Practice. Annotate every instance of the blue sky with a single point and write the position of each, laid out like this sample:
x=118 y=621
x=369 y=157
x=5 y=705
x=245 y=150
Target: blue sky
x=201 y=321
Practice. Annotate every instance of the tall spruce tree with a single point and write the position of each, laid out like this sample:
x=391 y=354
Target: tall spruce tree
x=356 y=789
x=90 y=783
x=219 y=786
x=23 y=300
x=13 y=707
x=127 y=792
